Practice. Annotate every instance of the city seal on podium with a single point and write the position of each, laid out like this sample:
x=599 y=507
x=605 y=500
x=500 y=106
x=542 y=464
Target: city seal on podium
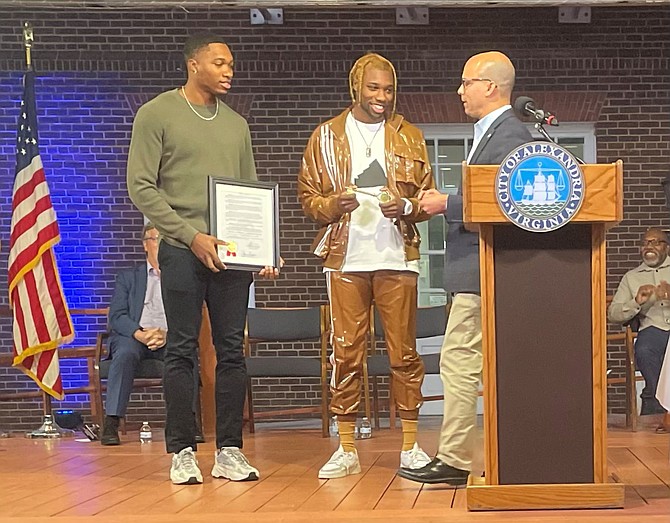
x=540 y=186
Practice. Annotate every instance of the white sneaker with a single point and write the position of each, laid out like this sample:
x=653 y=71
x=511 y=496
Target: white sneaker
x=341 y=464
x=184 y=470
x=230 y=463
x=414 y=458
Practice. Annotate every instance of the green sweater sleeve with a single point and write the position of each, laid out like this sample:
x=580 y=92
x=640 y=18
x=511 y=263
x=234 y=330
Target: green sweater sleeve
x=247 y=164
x=144 y=158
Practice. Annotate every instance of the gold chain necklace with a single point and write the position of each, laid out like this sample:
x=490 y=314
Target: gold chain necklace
x=208 y=119
x=368 y=146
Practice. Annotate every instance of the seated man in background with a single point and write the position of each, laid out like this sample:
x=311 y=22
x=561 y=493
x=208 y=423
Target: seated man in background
x=645 y=292
x=139 y=331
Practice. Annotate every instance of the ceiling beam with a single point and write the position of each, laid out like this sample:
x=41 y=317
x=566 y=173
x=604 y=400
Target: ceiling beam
x=310 y=4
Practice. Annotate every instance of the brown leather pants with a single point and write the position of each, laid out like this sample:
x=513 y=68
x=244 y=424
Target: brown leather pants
x=395 y=295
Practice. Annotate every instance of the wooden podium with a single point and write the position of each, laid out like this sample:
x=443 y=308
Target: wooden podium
x=543 y=323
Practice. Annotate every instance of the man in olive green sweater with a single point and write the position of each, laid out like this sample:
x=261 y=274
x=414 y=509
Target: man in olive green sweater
x=179 y=139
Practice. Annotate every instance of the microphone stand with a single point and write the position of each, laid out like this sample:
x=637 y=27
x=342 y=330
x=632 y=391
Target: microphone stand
x=540 y=129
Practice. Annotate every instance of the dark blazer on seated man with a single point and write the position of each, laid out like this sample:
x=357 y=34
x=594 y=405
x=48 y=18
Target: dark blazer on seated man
x=125 y=311
x=138 y=331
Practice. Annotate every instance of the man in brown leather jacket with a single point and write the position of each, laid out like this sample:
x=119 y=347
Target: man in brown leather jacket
x=361 y=175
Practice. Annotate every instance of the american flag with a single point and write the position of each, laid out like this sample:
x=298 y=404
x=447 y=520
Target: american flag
x=42 y=320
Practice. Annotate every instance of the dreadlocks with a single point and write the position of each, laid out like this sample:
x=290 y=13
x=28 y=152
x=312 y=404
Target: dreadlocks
x=357 y=72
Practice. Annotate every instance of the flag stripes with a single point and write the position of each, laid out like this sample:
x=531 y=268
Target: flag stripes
x=42 y=320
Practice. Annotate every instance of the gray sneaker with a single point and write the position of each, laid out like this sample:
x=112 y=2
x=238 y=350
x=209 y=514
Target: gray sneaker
x=184 y=470
x=230 y=463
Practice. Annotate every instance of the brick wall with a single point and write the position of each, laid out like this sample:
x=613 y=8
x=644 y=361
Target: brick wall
x=97 y=66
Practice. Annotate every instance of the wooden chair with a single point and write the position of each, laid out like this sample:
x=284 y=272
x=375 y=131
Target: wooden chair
x=287 y=325
x=430 y=322
x=627 y=335
x=86 y=352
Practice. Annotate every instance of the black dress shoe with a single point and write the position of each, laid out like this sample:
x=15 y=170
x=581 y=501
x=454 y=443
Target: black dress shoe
x=651 y=406
x=436 y=472
x=110 y=431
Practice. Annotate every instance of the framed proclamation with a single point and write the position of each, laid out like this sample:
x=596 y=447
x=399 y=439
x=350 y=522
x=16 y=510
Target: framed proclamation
x=245 y=215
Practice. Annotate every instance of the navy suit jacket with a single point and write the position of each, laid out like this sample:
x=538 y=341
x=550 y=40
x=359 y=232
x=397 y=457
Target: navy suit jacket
x=462 y=264
x=125 y=309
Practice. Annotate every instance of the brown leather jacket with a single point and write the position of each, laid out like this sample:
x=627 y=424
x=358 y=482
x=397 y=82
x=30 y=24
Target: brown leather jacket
x=326 y=172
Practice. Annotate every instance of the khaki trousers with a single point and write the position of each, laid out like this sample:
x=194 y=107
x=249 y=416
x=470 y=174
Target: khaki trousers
x=460 y=370
x=395 y=294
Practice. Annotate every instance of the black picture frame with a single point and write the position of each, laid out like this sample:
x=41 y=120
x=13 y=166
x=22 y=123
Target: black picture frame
x=245 y=214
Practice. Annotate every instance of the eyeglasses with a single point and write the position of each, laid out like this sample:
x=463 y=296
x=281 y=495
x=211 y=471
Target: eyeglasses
x=467 y=82
x=653 y=242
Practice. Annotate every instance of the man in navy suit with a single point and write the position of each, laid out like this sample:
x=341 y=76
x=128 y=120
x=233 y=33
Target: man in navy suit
x=139 y=331
x=485 y=91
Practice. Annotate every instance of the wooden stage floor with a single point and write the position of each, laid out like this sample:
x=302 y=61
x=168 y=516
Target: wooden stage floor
x=68 y=481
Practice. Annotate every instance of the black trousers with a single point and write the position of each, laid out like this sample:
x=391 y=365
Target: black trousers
x=186 y=283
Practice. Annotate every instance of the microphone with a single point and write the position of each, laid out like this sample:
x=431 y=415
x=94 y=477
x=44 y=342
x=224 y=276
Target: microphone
x=525 y=105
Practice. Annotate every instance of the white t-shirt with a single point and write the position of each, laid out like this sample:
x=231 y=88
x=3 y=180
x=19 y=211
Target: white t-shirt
x=375 y=243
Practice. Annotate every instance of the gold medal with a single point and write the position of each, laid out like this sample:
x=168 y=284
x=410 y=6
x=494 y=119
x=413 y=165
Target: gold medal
x=384 y=196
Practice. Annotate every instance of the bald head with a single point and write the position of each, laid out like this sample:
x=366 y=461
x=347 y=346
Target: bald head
x=486 y=84
x=495 y=66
